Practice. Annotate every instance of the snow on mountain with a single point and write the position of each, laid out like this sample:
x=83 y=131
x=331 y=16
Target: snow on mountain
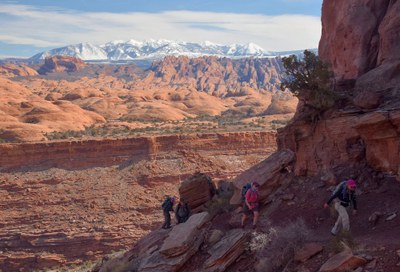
x=85 y=51
x=154 y=49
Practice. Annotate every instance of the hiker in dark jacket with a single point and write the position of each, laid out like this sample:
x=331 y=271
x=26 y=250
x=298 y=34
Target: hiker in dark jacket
x=182 y=211
x=344 y=197
x=167 y=206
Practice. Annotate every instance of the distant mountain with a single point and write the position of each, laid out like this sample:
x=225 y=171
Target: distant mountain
x=131 y=50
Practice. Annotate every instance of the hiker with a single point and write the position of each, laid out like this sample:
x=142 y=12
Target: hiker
x=182 y=211
x=251 y=204
x=245 y=188
x=344 y=195
x=167 y=206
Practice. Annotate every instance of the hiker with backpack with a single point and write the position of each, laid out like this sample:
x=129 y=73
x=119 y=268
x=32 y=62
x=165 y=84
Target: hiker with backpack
x=167 y=206
x=182 y=211
x=251 y=205
x=343 y=197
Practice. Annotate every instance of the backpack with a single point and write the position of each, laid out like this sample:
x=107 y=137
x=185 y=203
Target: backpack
x=246 y=187
x=182 y=211
x=339 y=188
x=252 y=197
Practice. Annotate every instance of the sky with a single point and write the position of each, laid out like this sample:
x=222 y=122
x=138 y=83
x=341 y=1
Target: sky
x=32 y=26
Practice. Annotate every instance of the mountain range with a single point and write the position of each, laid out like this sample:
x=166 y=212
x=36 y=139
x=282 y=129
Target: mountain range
x=131 y=50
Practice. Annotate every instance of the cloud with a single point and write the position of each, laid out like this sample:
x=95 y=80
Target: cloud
x=23 y=24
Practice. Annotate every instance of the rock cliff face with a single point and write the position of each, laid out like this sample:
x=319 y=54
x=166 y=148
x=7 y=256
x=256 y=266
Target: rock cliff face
x=75 y=155
x=359 y=36
x=361 y=41
x=61 y=64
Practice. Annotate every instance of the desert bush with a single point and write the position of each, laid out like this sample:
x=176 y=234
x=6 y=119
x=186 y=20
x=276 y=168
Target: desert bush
x=310 y=80
x=275 y=248
x=219 y=203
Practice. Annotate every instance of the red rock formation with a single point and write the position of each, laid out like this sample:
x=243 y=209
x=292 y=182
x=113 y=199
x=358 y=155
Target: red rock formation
x=68 y=155
x=217 y=76
x=61 y=64
x=359 y=36
x=12 y=70
x=360 y=40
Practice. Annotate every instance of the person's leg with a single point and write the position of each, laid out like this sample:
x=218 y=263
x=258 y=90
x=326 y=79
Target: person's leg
x=165 y=220
x=338 y=224
x=168 y=220
x=345 y=218
x=246 y=212
x=244 y=217
x=255 y=218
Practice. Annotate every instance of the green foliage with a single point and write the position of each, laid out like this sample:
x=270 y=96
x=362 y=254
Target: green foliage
x=309 y=79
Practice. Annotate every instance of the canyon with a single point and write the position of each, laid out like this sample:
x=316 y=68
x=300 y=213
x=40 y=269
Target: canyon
x=67 y=202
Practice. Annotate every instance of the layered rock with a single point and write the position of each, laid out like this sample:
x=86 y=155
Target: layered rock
x=227 y=250
x=61 y=64
x=342 y=262
x=207 y=151
x=197 y=190
x=268 y=173
x=218 y=76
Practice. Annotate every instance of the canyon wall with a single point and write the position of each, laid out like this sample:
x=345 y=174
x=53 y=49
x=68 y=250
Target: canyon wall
x=74 y=155
x=360 y=39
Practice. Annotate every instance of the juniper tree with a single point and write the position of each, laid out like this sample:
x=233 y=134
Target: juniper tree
x=309 y=79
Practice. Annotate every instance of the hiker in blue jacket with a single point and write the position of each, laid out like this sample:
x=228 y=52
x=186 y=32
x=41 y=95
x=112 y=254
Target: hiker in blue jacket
x=167 y=206
x=344 y=196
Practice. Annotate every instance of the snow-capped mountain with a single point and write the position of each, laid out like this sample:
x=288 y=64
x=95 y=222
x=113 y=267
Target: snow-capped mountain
x=154 y=49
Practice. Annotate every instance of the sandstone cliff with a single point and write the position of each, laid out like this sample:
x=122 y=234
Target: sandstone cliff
x=61 y=64
x=361 y=42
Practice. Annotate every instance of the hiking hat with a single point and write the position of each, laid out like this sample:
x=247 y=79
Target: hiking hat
x=351 y=183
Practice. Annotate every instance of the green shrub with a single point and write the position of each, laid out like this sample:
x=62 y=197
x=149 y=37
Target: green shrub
x=310 y=80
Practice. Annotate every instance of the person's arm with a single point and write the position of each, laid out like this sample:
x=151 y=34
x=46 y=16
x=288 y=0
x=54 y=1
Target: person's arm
x=245 y=198
x=326 y=205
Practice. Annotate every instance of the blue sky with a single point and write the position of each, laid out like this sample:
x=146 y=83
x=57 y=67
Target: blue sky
x=32 y=26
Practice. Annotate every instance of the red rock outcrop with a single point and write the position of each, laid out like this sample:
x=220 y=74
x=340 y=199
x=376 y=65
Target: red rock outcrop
x=12 y=70
x=359 y=36
x=360 y=40
x=108 y=152
x=217 y=76
x=61 y=64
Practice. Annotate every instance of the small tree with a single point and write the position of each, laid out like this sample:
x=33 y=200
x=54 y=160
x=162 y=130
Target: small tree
x=309 y=79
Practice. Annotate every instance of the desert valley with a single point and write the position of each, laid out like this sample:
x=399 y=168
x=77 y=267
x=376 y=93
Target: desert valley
x=90 y=149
